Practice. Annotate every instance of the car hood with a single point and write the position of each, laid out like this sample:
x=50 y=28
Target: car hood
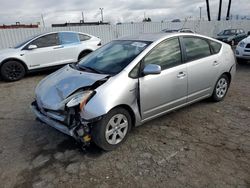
x=54 y=90
x=246 y=40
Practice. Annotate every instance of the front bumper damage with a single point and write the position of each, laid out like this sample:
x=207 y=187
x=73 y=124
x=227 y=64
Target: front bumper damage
x=80 y=130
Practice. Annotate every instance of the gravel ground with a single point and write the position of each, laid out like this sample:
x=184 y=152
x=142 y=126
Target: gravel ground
x=203 y=145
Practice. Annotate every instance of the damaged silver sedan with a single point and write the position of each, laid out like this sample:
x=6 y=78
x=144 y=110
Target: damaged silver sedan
x=130 y=81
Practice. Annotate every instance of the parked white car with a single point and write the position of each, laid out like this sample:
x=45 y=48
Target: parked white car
x=242 y=51
x=45 y=50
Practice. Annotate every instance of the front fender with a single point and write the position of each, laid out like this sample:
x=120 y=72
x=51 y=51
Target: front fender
x=118 y=90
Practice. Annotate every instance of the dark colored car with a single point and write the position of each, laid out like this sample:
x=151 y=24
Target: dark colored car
x=231 y=36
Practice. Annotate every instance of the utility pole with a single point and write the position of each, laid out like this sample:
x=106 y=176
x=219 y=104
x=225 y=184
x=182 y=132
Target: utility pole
x=219 y=14
x=208 y=10
x=82 y=17
x=228 y=10
x=43 y=20
x=101 y=14
x=200 y=12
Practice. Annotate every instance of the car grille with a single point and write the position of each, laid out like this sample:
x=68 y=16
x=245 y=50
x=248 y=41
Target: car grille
x=248 y=45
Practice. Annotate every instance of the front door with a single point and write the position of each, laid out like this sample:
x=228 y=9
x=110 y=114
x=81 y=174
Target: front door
x=167 y=90
x=46 y=53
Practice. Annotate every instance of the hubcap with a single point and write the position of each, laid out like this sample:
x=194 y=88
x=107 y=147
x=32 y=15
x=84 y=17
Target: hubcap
x=13 y=71
x=116 y=129
x=221 y=88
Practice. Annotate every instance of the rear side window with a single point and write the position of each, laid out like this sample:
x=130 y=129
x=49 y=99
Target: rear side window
x=46 y=41
x=215 y=46
x=68 y=38
x=83 y=37
x=196 y=48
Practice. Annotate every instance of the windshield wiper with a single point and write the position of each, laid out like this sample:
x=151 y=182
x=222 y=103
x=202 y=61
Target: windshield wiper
x=90 y=69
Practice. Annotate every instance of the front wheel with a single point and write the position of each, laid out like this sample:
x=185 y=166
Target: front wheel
x=112 y=130
x=221 y=88
x=12 y=71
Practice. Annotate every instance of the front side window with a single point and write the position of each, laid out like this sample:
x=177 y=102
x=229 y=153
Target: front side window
x=46 y=41
x=166 y=54
x=196 y=48
x=113 y=57
x=68 y=38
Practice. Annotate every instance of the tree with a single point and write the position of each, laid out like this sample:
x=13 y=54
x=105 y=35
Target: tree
x=147 y=20
x=228 y=10
x=208 y=11
x=219 y=14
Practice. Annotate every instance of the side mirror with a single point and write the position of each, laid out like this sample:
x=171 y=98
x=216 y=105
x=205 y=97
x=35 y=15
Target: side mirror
x=152 y=69
x=32 y=47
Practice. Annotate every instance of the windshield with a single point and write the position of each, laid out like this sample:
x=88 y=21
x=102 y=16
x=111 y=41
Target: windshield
x=229 y=32
x=113 y=57
x=24 y=42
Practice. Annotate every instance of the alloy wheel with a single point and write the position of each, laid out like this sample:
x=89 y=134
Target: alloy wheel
x=221 y=88
x=116 y=129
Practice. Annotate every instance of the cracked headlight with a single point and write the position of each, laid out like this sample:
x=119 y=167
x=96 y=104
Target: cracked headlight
x=80 y=99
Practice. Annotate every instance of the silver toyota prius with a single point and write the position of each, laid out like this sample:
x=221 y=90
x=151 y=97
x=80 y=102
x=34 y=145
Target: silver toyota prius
x=130 y=81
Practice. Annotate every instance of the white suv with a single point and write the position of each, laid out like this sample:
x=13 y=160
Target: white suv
x=242 y=51
x=45 y=50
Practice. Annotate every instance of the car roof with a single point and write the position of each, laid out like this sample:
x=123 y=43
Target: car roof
x=147 y=36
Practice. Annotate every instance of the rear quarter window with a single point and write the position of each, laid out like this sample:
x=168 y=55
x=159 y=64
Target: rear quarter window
x=83 y=37
x=215 y=46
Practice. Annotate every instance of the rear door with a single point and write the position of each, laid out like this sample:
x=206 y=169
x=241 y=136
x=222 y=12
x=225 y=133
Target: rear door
x=202 y=67
x=162 y=92
x=69 y=49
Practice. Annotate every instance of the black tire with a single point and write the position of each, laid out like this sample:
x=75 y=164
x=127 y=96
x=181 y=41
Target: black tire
x=83 y=54
x=99 y=129
x=220 y=91
x=12 y=71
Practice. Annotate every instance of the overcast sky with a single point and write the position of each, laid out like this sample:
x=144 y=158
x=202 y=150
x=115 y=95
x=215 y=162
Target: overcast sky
x=61 y=11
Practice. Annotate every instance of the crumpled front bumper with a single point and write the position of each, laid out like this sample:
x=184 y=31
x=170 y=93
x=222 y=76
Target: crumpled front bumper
x=47 y=120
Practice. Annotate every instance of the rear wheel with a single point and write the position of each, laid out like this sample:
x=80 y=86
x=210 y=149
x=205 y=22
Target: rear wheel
x=112 y=130
x=12 y=71
x=221 y=88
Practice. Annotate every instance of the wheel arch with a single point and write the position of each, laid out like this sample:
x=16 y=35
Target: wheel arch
x=83 y=51
x=14 y=59
x=228 y=74
x=130 y=111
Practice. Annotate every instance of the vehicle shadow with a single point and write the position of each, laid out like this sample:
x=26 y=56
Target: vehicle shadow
x=92 y=150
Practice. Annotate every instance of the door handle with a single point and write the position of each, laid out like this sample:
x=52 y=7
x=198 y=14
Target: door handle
x=215 y=63
x=181 y=75
x=58 y=47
